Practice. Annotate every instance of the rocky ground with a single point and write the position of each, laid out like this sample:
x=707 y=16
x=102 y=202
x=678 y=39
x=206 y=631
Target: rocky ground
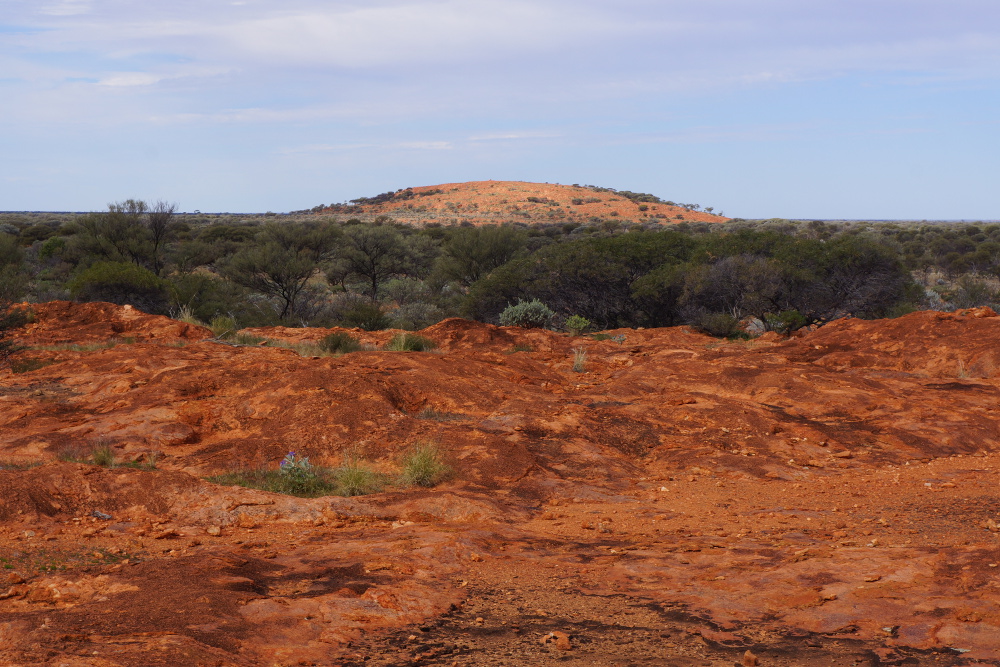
x=829 y=499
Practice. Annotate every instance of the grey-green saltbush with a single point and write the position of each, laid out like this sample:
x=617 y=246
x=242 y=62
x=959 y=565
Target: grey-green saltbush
x=528 y=314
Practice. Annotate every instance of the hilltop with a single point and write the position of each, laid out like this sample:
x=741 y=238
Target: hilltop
x=489 y=202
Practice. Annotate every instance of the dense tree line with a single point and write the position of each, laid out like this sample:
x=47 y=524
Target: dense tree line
x=323 y=270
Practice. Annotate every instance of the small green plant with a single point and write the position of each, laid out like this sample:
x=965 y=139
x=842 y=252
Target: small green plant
x=576 y=325
x=527 y=314
x=520 y=347
x=785 y=322
x=355 y=477
x=963 y=370
x=408 y=342
x=364 y=315
x=340 y=343
x=103 y=455
x=620 y=338
x=223 y=326
x=579 y=360
x=423 y=465
x=298 y=474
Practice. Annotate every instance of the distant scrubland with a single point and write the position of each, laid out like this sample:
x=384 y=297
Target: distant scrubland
x=327 y=269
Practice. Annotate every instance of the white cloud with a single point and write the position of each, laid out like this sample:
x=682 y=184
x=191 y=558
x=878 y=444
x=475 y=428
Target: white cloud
x=67 y=8
x=125 y=79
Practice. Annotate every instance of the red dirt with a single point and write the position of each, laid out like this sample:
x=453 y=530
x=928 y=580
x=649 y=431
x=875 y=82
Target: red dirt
x=491 y=202
x=827 y=499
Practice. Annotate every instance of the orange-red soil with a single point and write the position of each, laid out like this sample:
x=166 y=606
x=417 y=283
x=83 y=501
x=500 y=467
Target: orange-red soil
x=492 y=202
x=829 y=499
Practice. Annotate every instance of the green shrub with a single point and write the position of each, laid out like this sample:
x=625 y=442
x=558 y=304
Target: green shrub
x=423 y=465
x=720 y=325
x=121 y=283
x=408 y=342
x=340 y=343
x=785 y=321
x=299 y=476
x=576 y=324
x=364 y=315
x=527 y=314
x=10 y=319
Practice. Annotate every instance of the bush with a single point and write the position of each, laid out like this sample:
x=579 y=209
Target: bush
x=424 y=466
x=785 y=322
x=415 y=316
x=354 y=477
x=576 y=325
x=340 y=342
x=299 y=476
x=363 y=315
x=720 y=325
x=410 y=343
x=527 y=314
x=121 y=283
x=10 y=319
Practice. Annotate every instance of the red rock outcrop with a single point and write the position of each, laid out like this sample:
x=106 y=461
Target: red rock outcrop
x=825 y=498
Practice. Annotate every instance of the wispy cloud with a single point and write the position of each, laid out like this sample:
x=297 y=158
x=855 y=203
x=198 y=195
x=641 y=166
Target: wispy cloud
x=477 y=82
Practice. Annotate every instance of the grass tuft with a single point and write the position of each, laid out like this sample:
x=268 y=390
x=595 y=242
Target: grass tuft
x=423 y=465
x=579 y=360
x=223 y=326
x=103 y=455
x=243 y=338
x=340 y=343
x=408 y=342
x=355 y=477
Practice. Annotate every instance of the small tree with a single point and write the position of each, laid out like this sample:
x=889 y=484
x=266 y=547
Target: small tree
x=376 y=254
x=158 y=221
x=281 y=261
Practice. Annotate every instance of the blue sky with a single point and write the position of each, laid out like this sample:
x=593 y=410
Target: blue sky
x=762 y=108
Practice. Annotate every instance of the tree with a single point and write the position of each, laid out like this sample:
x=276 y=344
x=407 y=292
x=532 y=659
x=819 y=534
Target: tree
x=281 y=261
x=158 y=220
x=375 y=254
x=118 y=234
x=13 y=281
x=470 y=253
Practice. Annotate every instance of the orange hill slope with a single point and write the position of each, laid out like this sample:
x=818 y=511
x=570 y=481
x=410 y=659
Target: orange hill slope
x=486 y=202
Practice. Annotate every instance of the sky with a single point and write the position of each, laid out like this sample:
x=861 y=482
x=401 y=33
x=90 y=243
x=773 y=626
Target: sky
x=818 y=109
